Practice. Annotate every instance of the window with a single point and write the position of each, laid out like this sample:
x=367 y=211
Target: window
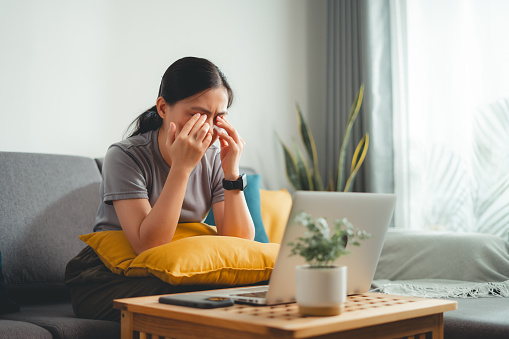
x=451 y=119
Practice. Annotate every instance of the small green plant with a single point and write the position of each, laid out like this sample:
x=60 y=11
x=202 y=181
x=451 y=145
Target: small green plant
x=304 y=176
x=318 y=247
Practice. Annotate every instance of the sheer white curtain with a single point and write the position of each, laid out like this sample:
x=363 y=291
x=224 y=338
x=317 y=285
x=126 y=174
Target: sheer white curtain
x=451 y=118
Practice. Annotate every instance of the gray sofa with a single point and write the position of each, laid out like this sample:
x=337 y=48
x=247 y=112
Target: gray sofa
x=47 y=201
x=471 y=268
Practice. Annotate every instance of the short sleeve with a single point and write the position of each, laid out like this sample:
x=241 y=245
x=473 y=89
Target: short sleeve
x=123 y=176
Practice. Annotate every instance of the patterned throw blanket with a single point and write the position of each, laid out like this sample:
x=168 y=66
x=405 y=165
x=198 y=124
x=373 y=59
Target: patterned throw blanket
x=441 y=288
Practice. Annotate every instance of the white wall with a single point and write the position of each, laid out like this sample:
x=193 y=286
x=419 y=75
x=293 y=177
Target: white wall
x=74 y=74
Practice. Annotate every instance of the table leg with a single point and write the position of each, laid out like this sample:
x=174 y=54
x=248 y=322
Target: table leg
x=126 y=325
x=438 y=330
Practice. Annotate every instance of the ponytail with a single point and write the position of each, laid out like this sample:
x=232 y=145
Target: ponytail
x=145 y=122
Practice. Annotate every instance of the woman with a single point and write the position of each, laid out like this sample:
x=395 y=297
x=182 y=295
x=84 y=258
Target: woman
x=167 y=171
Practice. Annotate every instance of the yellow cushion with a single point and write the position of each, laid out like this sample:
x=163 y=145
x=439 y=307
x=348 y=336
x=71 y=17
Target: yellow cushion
x=207 y=259
x=275 y=207
x=113 y=249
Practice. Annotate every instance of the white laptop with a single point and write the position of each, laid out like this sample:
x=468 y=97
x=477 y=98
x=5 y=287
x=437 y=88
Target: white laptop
x=370 y=212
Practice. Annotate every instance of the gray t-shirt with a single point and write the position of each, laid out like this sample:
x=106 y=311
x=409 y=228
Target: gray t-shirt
x=134 y=168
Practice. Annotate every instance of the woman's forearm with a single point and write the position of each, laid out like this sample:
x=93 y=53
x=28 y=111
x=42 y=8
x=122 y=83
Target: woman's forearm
x=159 y=225
x=237 y=220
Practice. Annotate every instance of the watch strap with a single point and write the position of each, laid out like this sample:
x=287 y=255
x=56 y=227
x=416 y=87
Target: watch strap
x=239 y=184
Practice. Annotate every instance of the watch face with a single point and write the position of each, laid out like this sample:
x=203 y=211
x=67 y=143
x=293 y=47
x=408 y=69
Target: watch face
x=243 y=181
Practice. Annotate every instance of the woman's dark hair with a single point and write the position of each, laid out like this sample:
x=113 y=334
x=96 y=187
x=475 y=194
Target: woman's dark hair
x=184 y=78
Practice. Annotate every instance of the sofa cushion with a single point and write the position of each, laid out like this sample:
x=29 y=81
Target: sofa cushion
x=47 y=201
x=116 y=252
x=478 y=318
x=189 y=260
x=252 y=195
x=275 y=208
x=20 y=329
x=59 y=320
x=411 y=254
x=7 y=305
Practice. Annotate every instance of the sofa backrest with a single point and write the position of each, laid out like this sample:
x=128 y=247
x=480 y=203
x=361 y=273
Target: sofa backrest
x=46 y=202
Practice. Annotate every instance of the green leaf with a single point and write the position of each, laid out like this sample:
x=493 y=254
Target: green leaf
x=331 y=185
x=303 y=170
x=354 y=111
x=291 y=167
x=305 y=134
x=357 y=161
x=317 y=247
x=309 y=144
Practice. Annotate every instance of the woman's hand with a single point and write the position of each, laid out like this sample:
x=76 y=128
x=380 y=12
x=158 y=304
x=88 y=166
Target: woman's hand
x=232 y=146
x=187 y=146
x=232 y=215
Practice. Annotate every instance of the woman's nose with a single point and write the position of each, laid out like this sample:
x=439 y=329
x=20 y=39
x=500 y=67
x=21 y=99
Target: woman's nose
x=211 y=121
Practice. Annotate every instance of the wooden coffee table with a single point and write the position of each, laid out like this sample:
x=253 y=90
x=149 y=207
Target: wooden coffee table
x=367 y=315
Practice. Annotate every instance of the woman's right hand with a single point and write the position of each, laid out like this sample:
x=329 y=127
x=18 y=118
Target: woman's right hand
x=187 y=146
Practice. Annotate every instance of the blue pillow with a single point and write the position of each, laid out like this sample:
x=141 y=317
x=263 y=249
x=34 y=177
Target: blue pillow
x=252 y=194
x=6 y=304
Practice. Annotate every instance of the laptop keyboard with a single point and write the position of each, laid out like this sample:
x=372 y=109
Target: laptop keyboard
x=261 y=294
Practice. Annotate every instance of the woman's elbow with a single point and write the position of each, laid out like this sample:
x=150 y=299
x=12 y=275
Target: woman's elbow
x=147 y=244
x=248 y=233
x=244 y=233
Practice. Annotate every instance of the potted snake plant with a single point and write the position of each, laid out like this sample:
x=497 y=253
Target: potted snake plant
x=302 y=165
x=321 y=285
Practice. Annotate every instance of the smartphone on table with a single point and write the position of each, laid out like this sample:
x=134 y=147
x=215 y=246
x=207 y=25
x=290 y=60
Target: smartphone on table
x=197 y=301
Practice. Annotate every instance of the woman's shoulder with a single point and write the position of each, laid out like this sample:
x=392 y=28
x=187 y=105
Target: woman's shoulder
x=140 y=140
x=138 y=148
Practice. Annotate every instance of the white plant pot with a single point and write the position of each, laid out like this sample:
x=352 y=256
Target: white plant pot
x=320 y=291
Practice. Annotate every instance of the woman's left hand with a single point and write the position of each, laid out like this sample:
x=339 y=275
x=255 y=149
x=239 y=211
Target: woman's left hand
x=232 y=146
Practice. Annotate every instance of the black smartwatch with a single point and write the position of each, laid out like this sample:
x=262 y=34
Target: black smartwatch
x=239 y=184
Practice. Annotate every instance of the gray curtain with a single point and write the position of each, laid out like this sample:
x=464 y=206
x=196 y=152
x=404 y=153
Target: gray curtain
x=359 y=51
